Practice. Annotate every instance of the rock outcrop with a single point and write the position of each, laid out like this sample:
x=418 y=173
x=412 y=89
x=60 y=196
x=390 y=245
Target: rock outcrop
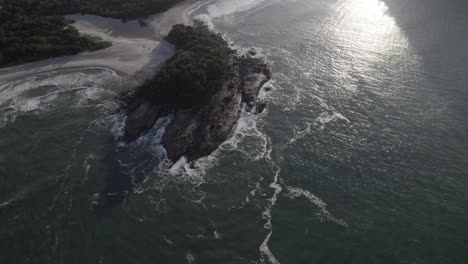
x=197 y=132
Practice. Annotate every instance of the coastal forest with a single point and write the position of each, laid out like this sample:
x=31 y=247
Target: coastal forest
x=32 y=30
x=195 y=72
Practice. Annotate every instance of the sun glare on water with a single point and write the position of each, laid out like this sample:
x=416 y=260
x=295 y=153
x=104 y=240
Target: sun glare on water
x=367 y=22
x=366 y=31
x=372 y=16
x=371 y=7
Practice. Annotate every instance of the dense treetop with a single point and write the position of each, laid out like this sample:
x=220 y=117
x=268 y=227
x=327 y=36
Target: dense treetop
x=124 y=9
x=32 y=30
x=195 y=72
x=31 y=38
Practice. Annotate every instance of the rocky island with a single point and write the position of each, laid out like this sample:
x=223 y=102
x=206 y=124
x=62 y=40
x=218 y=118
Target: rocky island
x=204 y=86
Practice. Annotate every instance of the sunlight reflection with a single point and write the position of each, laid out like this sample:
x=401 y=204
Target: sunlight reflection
x=367 y=30
x=371 y=7
x=371 y=16
x=367 y=22
x=367 y=39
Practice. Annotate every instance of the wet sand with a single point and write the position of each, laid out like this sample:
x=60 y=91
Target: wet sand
x=136 y=51
x=179 y=14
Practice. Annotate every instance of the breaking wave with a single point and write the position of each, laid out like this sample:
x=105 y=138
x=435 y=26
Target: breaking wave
x=224 y=9
x=57 y=90
x=325 y=215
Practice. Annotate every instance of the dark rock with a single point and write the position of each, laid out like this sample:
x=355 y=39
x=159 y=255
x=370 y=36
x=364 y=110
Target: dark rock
x=268 y=88
x=260 y=106
x=197 y=132
x=140 y=119
x=252 y=52
x=255 y=73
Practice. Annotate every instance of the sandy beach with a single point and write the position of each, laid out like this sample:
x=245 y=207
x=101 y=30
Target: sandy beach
x=179 y=14
x=135 y=52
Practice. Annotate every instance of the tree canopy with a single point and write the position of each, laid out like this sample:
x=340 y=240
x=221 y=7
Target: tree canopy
x=32 y=30
x=31 y=38
x=123 y=9
x=195 y=72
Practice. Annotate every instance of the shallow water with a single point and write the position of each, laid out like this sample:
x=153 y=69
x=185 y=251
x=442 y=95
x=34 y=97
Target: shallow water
x=116 y=27
x=360 y=157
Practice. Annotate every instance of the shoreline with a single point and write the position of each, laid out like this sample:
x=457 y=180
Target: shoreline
x=179 y=14
x=135 y=56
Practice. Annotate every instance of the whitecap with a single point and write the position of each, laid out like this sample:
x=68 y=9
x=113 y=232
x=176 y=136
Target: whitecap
x=51 y=91
x=168 y=241
x=87 y=166
x=178 y=166
x=190 y=258
x=266 y=252
x=226 y=8
x=294 y=193
x=217 y=235
x=327 y=117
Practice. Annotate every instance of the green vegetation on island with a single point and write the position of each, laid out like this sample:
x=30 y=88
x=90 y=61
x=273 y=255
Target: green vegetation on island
x=122 y=9
x=196 y=71
x=32 y=30
x=30 y=38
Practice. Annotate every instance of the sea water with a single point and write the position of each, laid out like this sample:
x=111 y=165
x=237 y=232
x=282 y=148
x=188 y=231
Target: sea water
x=360 y=157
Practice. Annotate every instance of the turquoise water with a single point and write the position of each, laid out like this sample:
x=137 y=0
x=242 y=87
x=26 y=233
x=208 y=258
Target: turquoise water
x=359 y=158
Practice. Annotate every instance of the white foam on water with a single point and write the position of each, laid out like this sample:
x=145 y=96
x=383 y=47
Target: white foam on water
x=11 y=200
x=87 y=166
x=327 y=117
x=247 y=127
x=301 y=134
x=56 y=244
x=224 y=9
x=247 y=124
x=143 y=156
x=178 y=166
x=88 y=95
x=323 y=119
x=266 y=215
x=168 y=241
x=294 y=193
x=191 y=175
x=321 y=102
x=217 y=235
x=150 y=142
x=196 y=170
x=190 y=258
x=118 y=129
x=64 y=173
x=266 y=252
x=56 y=90
x=281 y=94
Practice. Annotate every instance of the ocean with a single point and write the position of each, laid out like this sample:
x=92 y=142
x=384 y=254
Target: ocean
x=360 y=157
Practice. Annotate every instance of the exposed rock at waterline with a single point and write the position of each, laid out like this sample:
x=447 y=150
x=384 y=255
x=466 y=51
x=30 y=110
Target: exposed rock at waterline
x=197 y=132
x=260 y=106
x=252 y=52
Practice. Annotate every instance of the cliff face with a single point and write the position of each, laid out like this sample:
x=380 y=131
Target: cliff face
x=197 y=132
